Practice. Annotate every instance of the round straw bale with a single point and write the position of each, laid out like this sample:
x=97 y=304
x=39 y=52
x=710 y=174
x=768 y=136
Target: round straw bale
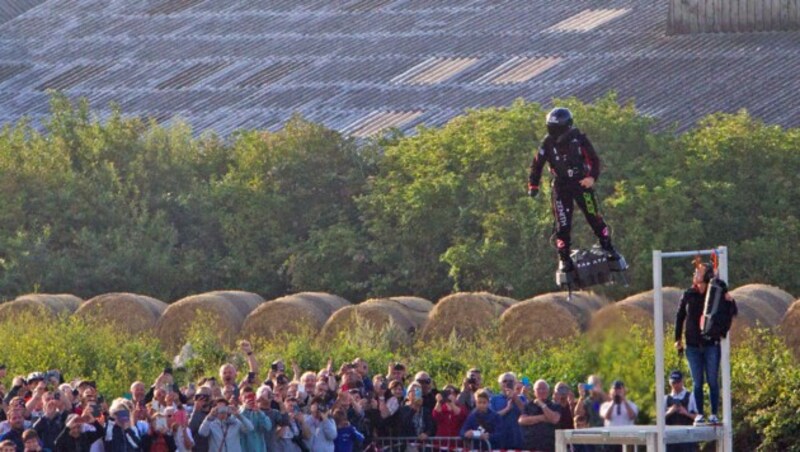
x=636 y=309
x=130 y=312
x=225 y=309
x=757 y=310
x=548 y=317
x=466 y=313
x=244 y=302
x=292 y=314
x=51 y=305
x=417 y=309
x=790 y=328
x=379 y=313
x=752 y=313
x=779 y=299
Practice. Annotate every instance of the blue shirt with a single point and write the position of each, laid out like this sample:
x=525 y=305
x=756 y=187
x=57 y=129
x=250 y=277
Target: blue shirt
x=346 y=438
x=509 y=433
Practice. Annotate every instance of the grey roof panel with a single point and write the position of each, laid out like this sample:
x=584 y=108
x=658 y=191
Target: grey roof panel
x=232 y=64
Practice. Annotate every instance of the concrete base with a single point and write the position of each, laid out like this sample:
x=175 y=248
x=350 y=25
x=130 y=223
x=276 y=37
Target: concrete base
x=638 y=435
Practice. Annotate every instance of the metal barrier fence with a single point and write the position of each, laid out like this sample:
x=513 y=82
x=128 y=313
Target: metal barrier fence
x=432 y=444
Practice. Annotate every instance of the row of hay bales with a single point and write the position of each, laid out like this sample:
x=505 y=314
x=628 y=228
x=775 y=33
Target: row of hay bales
x=234 y=314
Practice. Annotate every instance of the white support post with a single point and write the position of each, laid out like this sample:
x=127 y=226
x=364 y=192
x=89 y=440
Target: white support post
x=658 y=317
x=726 y=445
x=725 y=366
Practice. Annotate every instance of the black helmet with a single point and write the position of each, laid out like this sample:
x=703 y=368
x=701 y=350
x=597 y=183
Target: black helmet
x=559 y=121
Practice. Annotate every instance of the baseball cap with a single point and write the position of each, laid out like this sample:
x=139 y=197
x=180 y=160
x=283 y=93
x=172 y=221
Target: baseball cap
x=617 y=384
x=676 y=375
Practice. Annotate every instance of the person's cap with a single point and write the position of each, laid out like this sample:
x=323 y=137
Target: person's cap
x=618 y=384
x=676 y=375
x=34 y=376
x=84 y=383
x=72 y=419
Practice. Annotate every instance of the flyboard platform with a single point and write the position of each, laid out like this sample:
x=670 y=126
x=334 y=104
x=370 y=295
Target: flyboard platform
x=592 y=268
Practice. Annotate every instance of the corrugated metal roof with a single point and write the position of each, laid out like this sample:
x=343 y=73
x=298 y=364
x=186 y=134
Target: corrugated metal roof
x=228 y=64
x=588 y=19
x=518 y=70
x=434 y=70
x=378 y=121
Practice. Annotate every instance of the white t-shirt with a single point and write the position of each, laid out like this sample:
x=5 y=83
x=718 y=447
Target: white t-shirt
x=619 y=415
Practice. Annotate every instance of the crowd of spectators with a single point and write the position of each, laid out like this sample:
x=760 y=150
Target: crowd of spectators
x=292 y=410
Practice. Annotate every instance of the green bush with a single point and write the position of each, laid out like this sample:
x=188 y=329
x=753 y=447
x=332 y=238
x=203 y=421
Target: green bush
x=765 y=375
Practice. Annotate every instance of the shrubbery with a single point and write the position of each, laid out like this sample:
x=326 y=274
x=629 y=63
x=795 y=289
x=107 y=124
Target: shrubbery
x=88 y=207
x=766 y=377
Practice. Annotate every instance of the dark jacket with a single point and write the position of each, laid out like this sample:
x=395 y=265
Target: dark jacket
x=407 y=428
x=200 y=441
x=689 y=312
x=15 y=436
x=571 y=158
x=123 y=440
x=49 y=429
x=83 y=443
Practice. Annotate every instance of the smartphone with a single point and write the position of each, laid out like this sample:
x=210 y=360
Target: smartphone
x=155 y=406
x=96 y=410
x=251 y=377
x=418 y=392
x=57 y=395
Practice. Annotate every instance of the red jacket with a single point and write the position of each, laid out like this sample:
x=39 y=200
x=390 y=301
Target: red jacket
x=447 y=422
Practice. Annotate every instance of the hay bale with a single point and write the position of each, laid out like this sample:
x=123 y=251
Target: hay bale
x=406 y=314
x=244 y=302
x=789 y=328
x=292 y=314
x=417 y=309
x=226 y=311
x=779 y=299
x=753 y=313
x=132 y=313
x=635 y=310
x=466 y=313
x=37 y=304
x=548 y=317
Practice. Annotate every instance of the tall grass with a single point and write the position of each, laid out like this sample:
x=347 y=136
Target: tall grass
x=766 y=376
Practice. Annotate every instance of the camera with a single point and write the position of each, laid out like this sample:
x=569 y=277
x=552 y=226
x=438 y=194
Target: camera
x=446 y=394
x=617 y=399
x=472 y=380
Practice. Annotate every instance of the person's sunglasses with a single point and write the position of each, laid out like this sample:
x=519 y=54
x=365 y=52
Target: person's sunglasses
x=425 y=381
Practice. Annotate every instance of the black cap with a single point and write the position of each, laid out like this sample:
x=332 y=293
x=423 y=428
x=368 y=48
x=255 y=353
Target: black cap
x=617 y=384
x=676 y=375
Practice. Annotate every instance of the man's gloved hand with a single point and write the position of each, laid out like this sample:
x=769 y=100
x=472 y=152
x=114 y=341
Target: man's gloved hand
x=533 y=192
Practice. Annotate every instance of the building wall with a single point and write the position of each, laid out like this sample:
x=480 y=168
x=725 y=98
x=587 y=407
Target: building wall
x=714 y=16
